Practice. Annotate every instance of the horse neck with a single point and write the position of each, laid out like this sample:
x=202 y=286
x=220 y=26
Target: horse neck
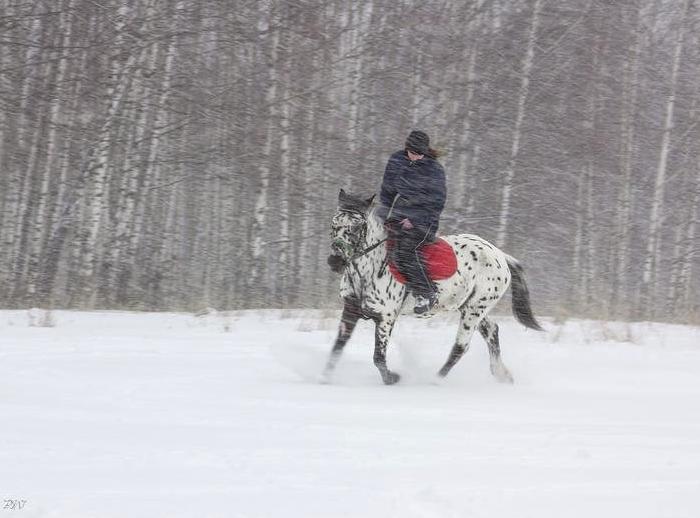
x=368 y=264
x=375 y=230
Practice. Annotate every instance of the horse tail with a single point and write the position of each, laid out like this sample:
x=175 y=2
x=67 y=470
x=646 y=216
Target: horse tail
x=521 y=295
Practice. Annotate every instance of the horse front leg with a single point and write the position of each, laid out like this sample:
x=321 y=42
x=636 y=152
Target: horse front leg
x=350 y=316
x=382 y=333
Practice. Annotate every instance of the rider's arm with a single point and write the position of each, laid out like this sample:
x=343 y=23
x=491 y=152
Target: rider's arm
x=388 y=192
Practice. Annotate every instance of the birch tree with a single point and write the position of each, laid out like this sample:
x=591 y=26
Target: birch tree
x=506 y=193
x=98 y=165
x=654 y=244
x=40 y=223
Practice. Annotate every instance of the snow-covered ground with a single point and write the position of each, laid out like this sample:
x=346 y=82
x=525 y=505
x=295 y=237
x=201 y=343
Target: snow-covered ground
x=147 y=415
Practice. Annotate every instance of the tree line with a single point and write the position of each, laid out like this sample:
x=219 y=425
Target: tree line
x=173 y=154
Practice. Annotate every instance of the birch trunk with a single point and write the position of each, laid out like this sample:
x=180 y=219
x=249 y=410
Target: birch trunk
x=284 y=228
x=653 y=249
x=120 y=256
x=98 y=167
x=468 y=159
x=152 y=173
x=578 y=292
x=257 y=285
x=360 y=15
x=589 y=272
x=306 y=263
x=22 y=224
x=40 y=223
x=619 y=284
x=674 y=288
x=688 y=291
x=66 y=198
x=5 y=85
x=18 y=193
x=504 y=213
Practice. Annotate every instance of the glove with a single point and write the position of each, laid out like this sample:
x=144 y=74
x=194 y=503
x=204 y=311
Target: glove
x=406 y=224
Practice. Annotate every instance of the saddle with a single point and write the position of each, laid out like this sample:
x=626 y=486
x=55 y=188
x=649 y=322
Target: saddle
x=438 y=257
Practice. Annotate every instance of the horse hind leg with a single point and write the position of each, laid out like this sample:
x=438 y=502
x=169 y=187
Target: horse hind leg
x=467 y=326
x=489 y=331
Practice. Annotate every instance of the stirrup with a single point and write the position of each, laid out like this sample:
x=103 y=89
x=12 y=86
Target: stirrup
x=424 y=304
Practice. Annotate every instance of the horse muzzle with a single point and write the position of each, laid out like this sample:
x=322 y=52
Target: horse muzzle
x=336 y=262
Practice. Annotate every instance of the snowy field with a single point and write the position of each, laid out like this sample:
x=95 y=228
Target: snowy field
x=171 y=415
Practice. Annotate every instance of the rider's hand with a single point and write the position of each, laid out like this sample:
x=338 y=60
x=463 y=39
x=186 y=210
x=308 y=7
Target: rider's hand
x=406 y=224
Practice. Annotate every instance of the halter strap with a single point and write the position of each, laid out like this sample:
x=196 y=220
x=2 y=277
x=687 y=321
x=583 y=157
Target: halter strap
x=369 y=248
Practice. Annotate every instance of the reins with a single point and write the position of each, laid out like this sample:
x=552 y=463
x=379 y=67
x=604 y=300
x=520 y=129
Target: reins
x=367 y=250
x=375 y=245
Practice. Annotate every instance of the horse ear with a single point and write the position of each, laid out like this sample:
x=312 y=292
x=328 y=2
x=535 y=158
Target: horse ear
x=368 y=201
x=342 y=196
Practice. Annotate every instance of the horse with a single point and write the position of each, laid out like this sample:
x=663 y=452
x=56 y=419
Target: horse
x=370 y=291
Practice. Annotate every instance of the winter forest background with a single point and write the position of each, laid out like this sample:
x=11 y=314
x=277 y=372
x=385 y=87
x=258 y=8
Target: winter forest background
x=178 y=154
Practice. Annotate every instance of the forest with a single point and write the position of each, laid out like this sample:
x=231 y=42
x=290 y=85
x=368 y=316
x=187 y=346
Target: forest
x=179 y=154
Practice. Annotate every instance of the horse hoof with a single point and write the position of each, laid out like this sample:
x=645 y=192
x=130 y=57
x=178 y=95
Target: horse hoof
x=438 y=381
x=324 y=378
x=507 y=379
x=502 y=374
x=391 y=378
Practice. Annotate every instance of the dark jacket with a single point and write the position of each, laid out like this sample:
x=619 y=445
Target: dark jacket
x=420 y=186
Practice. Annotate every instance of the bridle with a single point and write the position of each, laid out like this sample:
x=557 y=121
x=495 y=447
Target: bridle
x=362 y=236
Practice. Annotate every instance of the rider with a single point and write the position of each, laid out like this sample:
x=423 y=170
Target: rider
x=412 y=198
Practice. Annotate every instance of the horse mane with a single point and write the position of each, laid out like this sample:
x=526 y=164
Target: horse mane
x=350 y=202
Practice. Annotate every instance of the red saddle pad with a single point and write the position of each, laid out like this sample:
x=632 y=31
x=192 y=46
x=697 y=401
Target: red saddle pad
x=439 y=258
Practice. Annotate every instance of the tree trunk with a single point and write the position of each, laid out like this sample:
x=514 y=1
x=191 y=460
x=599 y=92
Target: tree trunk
x=619 y=283
x=98 y=168
x=16 y=204
x=504 y=213
x=40 y=223
x=258 y=287
x=653 y=249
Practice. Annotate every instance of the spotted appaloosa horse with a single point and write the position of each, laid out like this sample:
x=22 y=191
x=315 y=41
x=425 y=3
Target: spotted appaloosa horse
x=370 y=291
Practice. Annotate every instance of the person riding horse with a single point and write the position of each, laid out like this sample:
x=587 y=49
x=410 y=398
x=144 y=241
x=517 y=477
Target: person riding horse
x=412 y=198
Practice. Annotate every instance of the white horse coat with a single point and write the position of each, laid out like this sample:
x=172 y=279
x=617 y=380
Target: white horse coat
x=370 y=291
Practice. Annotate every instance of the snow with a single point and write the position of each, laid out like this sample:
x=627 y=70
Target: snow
x=109 y=414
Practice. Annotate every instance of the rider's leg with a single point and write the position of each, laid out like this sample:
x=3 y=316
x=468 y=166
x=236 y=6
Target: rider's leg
x=410 y=261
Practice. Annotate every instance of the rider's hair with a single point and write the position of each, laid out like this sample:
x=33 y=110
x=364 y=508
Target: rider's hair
x=435 y=153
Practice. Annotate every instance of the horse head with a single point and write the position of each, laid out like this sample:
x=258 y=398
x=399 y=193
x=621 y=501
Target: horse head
x=348 y=229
